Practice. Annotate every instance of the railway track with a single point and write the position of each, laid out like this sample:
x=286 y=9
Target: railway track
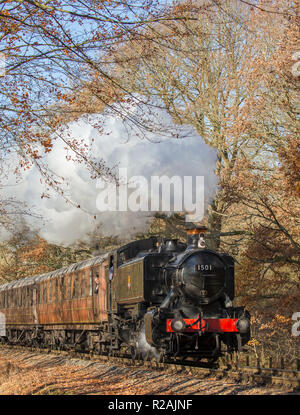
x=226 y=370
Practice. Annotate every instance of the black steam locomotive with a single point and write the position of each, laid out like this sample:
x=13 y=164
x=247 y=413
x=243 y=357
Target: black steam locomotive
x=180 y=296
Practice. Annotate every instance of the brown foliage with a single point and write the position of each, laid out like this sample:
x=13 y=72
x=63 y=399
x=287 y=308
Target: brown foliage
x=26 y=254
x=49 y=50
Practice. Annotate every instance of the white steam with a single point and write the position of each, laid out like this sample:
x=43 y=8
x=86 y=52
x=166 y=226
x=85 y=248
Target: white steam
x=64 y=223
x=143 y=347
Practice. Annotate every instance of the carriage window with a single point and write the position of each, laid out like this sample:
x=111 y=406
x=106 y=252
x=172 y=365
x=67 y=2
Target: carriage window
x=38 y=294
x=70 y=288
x=97 y=281
x=44 y=293
x=56 y=290
x=91 y=282
x=50 y=291
x=52 y=284
x=75 y=286
x=80 y=281
x=83 y=284
x=62 y=287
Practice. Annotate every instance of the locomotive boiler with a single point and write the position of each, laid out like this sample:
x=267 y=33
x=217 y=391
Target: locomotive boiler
x=153 y=295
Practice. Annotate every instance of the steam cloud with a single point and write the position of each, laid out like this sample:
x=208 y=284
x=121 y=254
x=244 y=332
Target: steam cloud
x=143 y=347
x=65 y=224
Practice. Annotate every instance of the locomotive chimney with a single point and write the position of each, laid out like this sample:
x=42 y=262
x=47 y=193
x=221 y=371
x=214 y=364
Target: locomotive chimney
x=195 y=236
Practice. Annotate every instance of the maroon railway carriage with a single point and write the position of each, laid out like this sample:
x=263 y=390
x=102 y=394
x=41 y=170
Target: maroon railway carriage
x=57 y=304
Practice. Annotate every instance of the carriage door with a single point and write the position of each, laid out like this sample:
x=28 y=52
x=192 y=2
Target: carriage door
x=34 y=305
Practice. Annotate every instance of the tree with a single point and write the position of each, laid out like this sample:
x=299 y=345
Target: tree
x=49 y=49
x=26 y=254
x=202 y=72
x=266 y=190
x=197 y=71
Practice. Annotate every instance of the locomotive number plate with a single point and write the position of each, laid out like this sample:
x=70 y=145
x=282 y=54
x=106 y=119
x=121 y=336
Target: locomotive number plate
x=202 y=267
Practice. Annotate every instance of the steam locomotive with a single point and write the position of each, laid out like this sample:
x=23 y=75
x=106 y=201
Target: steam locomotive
x=164 y=297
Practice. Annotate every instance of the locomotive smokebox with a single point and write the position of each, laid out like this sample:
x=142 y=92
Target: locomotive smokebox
x=195 y=236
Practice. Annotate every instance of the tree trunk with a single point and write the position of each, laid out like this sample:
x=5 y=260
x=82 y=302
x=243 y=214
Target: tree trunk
x=214 y=227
